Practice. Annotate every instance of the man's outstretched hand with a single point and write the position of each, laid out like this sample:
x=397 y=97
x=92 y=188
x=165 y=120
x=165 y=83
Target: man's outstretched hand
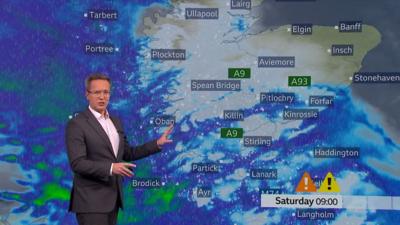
x=164 y=137
x=123 y=169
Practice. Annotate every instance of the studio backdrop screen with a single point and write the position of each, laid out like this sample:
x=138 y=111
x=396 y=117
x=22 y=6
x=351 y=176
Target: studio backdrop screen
x=284 y=111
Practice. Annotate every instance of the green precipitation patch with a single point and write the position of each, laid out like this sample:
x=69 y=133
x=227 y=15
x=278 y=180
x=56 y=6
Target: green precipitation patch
x=11 y=196
x=52 y=191
x=41 y=166
x=46 y=130
x=9 y=85
x=2 y=125
x=163 y=197
x=50 y=88
x=142 y=170
x=15 y=142
x=38 y=149
x=160 y=200
x=58 y=95
x=56 y=172
x=9 y=158
x=128 y=215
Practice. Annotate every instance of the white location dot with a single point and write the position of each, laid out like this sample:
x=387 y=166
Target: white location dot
x=336 y=27
x=289 y=29
x=328 y=50
x=350 y=78
x=163 y=183
x=70 y=116
x=117 y=49
x=85 y=15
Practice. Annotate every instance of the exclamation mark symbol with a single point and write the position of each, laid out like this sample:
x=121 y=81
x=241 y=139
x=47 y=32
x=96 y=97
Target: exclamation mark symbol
x=305 y=183
x=329 y=183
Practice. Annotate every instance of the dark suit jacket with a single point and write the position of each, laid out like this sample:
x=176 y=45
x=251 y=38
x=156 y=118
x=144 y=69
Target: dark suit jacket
x=90 y=155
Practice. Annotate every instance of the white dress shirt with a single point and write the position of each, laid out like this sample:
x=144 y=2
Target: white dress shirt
x=110 y=130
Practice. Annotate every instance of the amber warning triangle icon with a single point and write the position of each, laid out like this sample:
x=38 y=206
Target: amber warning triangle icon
x=306 y=184
x=329 y=184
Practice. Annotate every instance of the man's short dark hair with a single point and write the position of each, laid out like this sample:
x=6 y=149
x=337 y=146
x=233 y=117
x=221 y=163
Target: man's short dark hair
x=96 y=76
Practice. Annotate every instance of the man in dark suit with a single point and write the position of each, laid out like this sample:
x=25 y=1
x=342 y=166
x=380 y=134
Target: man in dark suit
x=99 y=153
